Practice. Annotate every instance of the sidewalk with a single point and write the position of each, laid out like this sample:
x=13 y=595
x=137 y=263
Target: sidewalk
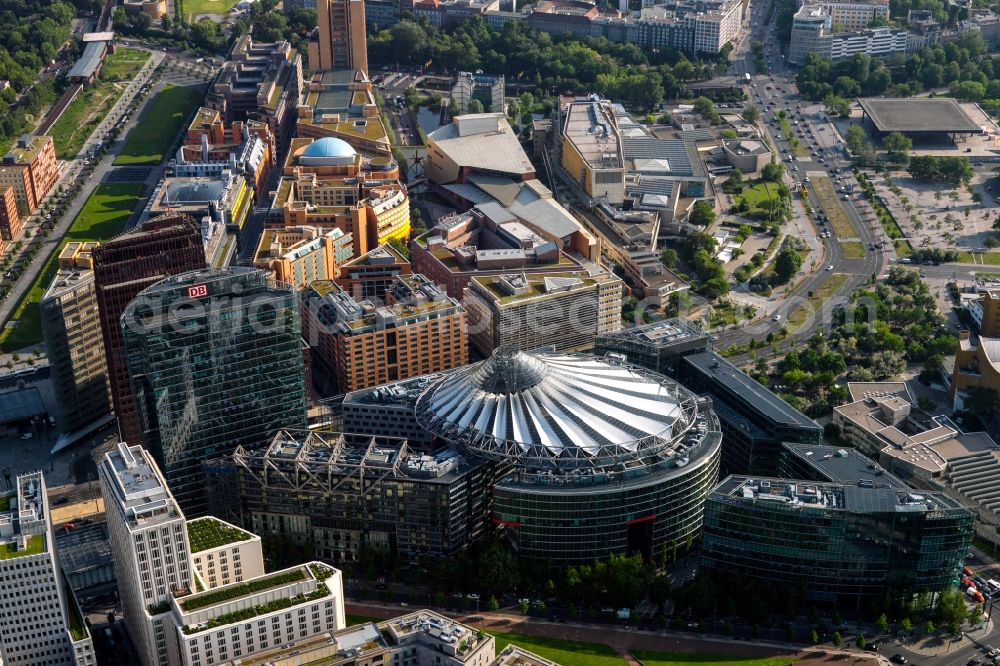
x=938 y=645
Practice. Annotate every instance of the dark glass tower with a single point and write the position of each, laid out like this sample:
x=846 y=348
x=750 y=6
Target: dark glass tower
x=215 y=359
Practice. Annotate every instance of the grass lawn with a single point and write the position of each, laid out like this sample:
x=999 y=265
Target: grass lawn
x=852 y=249
x=81 y=117
x=987 y=258
x=123 y=64
x=841 y=223
x=902 y=247
x=159 y=125
x=352 y=620
x=759 y=197
x=34 y=545
x=561 y=651
x=723 y=315
x=192 y=8
x=829 y=288
x=107 y=208
x=682 y=659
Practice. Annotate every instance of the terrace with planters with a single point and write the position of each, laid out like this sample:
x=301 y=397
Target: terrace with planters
x=208 y=533
x=243 y=601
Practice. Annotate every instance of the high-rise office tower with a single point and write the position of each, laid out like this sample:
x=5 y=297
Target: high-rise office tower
x=40 y=622
x=215 y=359
x=75 y=346
x=341 y=42
x=149 y=543
x=123 y=267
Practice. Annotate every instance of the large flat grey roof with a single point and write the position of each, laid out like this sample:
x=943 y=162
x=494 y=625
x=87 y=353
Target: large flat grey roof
x=843 y=464
x=21 y=405
x=917 y=114
x=739 y=383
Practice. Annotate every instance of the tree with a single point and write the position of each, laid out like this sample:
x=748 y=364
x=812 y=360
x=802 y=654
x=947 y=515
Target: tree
x=906 y=625
x=787 y=264
x=705 y=108
x=734 y=185
x=751 y=114
x=882 y=623
x=669 y=258
x=861 y=642
x=702 y=213
x=492 y=604
x=897 y=147
x=714 y=288
x=837 y=639
x=929 y=628
x=772 y=172
x=855 y=139
x=814 y=637
x=475 y=106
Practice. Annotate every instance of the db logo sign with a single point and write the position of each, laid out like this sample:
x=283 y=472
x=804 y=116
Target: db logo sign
x=198 y=291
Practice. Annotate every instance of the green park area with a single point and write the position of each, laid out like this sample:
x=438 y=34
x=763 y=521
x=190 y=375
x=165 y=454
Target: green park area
x=91 y=105
x=194 y=8
x=852 y=249
x=757 y=201
x=123 y=65
x=102 y=217
x=159 y=125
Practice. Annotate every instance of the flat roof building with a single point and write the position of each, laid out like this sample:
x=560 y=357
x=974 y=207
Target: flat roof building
x=71 y=326
x=755 y=421
x=30 y=167
x=340 y=494
x=300 y=255
x=658 y=346
x=562 y=310
x=414 y=329
x=823 y=537
x=40 y=620
x=916 y=117
x=210 y=596
x=341 y=104
x=371 y=274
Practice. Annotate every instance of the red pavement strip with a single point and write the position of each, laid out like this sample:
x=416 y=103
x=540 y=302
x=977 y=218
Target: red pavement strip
x=623 y=642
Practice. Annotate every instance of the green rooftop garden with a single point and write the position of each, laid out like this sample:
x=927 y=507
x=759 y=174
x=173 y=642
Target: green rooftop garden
x=208 y=533
x=34 y=546
x=77 y=629
x=262 y=609
x=243 y=589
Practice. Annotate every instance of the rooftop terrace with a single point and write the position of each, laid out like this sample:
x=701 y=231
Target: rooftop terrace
x=209 y=532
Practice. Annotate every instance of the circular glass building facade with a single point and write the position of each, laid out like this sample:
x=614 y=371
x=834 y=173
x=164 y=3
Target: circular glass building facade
x=603 y=458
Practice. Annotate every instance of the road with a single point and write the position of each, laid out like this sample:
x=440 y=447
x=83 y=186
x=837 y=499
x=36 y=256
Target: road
x=770 y=93
x=91 y=173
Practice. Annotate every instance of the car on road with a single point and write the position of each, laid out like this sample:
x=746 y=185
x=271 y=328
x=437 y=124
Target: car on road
x=776 y=317
x=830 y=267
x=898 y=659
x=873 y=647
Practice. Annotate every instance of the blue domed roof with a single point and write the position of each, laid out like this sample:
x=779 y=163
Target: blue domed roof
x=329 y=147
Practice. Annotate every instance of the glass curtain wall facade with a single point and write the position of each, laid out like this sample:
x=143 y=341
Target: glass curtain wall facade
x=215 y=359
x=842 y=544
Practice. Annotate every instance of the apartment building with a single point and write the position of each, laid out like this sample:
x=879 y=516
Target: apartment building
x=417 y=329
x=10 y=219
x=813 y=32
x=40 y=620
x=31 y=169
x=370 y=275
x=71 y=326
x=565 y=310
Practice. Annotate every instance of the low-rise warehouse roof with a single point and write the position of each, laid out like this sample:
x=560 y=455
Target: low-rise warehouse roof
x=918 y=115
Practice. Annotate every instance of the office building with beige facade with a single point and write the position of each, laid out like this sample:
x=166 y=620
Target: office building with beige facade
x=564 y=310
x=340 y=41
x=298 y=256
x=416 y=330
x=327 y=184
x=74 y=343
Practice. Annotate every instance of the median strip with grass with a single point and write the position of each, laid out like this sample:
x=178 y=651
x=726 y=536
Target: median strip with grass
x=819 y=296
x=852 y=249
x=842 y=225
x=159 y=125
x=86 y=112
x=684 y=658
x=103 y=215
